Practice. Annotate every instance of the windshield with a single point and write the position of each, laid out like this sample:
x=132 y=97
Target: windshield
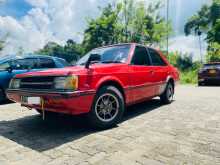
x=114 y=54
x=217 y=65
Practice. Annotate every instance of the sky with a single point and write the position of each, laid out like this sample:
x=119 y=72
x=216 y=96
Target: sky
x=30 y=24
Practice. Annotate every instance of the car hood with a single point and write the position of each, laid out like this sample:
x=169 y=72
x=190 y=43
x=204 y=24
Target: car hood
x=77 y=70
x=55 y=72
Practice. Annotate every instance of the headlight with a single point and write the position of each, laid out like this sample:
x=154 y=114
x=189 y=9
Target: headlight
x=15 y=84
x=68 y=82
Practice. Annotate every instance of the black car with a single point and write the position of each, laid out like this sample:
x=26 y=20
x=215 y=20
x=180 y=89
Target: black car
x=209 y=74
x=12 y=65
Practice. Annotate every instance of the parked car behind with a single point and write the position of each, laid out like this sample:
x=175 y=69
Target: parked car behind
x=102 y=84
x=12 y=65
x=209 y=74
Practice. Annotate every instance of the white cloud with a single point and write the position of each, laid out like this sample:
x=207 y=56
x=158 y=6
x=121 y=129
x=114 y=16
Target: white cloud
x=59 y=20
x=48 y=20
x=37 y=3
x=189 y=45
x=2 y=1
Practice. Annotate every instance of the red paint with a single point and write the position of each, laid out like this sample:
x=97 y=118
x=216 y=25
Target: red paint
x=138 y=83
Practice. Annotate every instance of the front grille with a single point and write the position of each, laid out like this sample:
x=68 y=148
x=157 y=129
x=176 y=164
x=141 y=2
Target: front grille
x=37 y=83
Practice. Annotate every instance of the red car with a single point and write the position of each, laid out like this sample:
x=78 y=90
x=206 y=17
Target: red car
x=102 y=84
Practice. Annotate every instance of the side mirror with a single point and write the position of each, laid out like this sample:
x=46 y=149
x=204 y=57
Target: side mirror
x=92 y=58
x=9 y=69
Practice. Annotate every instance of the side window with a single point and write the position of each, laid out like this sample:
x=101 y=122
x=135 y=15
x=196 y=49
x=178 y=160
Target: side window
x=140 y=56
x=27 y=63
x=63 y=62
x=4 y=66
x=46 y=63
x=156 y=58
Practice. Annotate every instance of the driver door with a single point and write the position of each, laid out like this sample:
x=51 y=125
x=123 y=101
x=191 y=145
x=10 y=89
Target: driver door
x=141 y=75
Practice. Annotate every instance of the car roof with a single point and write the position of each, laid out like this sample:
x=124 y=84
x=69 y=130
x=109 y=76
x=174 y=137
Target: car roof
x=14 y=57
x=37 y=56
x=121 y=44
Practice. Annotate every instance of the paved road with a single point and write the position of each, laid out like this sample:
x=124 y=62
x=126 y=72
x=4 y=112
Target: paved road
x=185 y=132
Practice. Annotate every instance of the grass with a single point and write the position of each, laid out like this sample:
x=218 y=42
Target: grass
x=189 y=77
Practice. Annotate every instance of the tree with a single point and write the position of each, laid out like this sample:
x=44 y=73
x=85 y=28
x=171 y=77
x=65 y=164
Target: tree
x=182 y=61
x=214 y=34
x=199 y=22
x=204 y=21
x=127 y=21
x=207 y=21
x=213 y=52
x=144 y=24
x=71 y=51
x=102 y=30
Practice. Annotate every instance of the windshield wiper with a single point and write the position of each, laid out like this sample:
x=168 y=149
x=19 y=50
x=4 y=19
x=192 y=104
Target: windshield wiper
x=108 y=62
x=93 y=62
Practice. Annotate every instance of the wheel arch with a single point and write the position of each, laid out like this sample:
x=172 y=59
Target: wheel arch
x=171 y=80
x=111 y=82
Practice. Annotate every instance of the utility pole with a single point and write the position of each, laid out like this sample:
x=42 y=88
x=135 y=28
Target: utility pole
x=200 y=45
x=126 y=21
x=168 y=4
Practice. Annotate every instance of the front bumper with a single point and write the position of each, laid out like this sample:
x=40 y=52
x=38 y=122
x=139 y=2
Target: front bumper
x=76 y=102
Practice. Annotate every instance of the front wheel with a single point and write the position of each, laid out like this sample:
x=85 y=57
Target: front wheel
x=107 y=109
x=167 y=96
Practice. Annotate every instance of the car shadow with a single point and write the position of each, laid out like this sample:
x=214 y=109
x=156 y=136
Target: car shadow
x=6 y=102
x=141 y=108
x=39 y=135
x=210 y=85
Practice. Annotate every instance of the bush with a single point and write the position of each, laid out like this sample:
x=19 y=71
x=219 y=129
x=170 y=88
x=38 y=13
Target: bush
x=190 y=76
x=188 y=69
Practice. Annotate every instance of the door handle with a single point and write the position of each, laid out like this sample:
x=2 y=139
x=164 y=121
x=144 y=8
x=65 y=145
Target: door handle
x=152 y=72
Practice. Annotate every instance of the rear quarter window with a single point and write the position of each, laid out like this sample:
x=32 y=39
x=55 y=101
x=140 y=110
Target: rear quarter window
x=156 y=59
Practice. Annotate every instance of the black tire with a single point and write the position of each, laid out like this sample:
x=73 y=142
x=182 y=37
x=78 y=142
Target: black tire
x=113 y=107
x=2 y=95
x=201 y=84
x=167 y=96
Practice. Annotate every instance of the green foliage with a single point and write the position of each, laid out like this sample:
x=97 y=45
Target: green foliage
x=189 y=77
x=213 y=52
x=71 y=51
x=214 y=34
x=182 y=61
x=127 y=21
x=204 y=20
x=207 y=20
x=188 y=69
x=102 y=30
x=199 y=22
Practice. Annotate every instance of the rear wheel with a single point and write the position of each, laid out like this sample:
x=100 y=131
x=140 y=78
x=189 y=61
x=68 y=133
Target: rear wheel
x=107 y=109
x=167 y=96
